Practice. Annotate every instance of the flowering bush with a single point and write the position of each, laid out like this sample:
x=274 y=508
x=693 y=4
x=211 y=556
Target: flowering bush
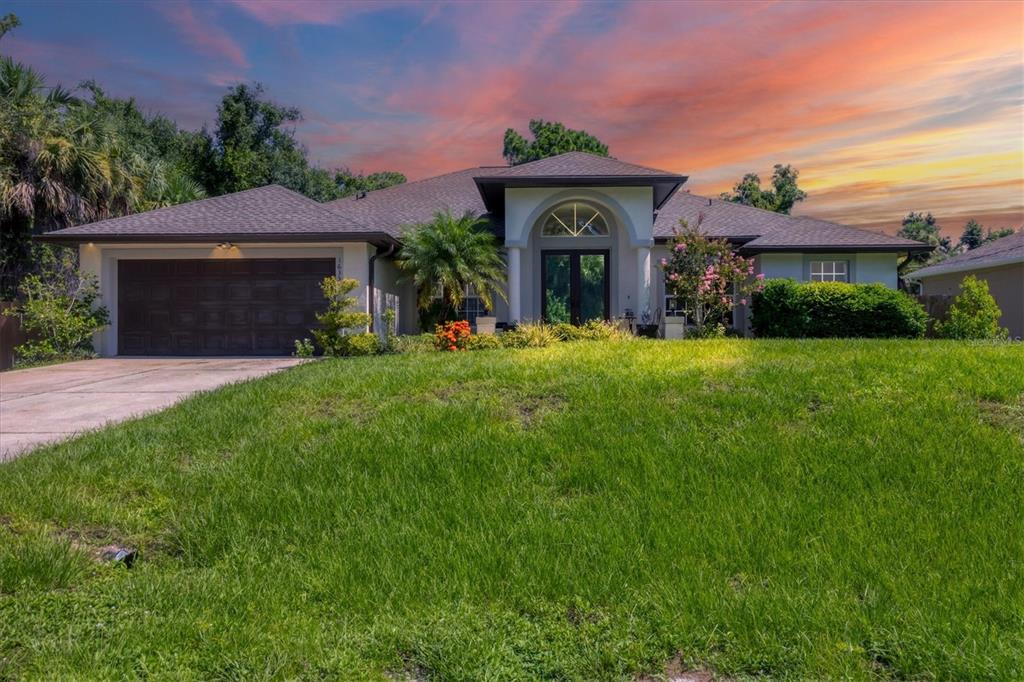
x=706 y=277
x=452 y=336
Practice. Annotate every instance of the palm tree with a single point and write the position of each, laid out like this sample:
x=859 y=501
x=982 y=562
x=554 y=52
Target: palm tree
x=61 y=164
x=453 y=253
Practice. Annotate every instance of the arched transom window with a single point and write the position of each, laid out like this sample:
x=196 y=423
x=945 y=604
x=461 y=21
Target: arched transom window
x=575 y=219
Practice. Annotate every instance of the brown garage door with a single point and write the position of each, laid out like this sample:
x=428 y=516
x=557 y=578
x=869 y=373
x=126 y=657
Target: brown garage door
x=217 y=307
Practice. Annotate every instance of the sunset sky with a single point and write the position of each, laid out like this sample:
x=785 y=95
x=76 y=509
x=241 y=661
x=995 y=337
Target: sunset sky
x=884 y=108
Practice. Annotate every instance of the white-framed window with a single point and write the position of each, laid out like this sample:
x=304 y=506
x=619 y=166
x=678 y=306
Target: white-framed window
x=472 y=306
x=830 y=271
x=575 y=219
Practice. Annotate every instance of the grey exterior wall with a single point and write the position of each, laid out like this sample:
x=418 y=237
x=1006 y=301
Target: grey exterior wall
x=1005 y=283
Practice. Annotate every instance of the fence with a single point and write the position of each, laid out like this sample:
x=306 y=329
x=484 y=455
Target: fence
x=937 y=306
x=11 y=334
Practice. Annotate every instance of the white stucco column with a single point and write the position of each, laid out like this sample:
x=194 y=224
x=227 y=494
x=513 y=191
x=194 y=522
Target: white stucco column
x=515 y=309
x=643 y=281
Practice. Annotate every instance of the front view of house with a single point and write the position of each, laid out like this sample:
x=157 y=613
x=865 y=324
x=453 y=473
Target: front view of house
x=239 y=274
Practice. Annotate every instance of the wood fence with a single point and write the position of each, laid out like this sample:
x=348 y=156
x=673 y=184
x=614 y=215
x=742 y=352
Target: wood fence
x=937 y=306
x=11 y=334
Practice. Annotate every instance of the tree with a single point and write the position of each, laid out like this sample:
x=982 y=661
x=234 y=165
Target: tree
x=974 y=314
x=451 y=254
x=704 y=275
x=350 y=183
x=974 y=236
x=62 y=163
x=781 y=199
x=550 y=138
x=923 y=228
x=9 y=22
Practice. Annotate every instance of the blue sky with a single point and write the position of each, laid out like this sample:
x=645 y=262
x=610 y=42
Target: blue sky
x=921 y=111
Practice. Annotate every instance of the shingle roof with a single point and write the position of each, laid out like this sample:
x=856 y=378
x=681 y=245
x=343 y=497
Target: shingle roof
x=1008 y=249
x=273 y=212
x=573 y=164
x=270 y=211
x=388 y=210
x=805 y=232
x=762 y=230
x=721 y=218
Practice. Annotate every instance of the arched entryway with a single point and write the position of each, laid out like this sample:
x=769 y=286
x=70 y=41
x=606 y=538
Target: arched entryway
x=575 y=241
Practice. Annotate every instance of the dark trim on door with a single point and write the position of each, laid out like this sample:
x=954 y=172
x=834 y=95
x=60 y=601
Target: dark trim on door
x=574 y=280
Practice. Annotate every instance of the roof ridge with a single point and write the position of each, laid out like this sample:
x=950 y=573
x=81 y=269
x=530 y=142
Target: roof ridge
x=590 y=154
x=406 y=184
x=164 y=209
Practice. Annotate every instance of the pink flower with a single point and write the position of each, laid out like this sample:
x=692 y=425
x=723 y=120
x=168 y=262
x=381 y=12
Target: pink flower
x=664 y=262
x=680 y=247
x=760 y=276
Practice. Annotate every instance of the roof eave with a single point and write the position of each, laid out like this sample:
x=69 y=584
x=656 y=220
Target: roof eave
x=492 y=188
x=837 y=248
x=376 y=237
x=956 y=268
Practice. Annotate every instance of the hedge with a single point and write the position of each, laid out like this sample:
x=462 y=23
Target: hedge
x=789 y=309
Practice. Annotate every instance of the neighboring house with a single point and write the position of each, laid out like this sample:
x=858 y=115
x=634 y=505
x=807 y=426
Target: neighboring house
x=238 y=274
x=1000 y=263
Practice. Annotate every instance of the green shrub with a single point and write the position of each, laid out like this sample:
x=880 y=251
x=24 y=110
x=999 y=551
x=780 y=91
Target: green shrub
x=303 y=348
x=413 y=343
x=600 y=330
x=529 y=335
x=593 y=330
x=339 y=327
x=785 y=308
x=360 y=344
x=60 y=312
x=483 y=342
x=564 y=331
x=973 y=315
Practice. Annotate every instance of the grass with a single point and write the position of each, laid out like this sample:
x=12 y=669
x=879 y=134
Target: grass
x=823 y=509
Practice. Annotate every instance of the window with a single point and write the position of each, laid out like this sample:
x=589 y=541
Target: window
x=829 y=271
x=575 y=219
x=472 y=306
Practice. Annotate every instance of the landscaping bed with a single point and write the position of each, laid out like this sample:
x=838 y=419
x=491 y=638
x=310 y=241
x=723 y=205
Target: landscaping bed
x=587 y=510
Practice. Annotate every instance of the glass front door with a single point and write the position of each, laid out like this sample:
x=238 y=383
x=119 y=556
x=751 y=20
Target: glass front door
x=575 y=286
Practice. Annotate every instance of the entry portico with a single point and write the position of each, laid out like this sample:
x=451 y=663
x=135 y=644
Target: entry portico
x=578 y=233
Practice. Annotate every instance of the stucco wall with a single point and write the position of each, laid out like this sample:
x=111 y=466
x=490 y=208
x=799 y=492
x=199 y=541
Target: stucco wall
x=864 y=268
x=352 y=260
x=629 y=213
x=388 y=280
x=1005 y=283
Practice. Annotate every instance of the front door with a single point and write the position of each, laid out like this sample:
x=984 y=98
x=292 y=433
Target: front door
x=575 y=286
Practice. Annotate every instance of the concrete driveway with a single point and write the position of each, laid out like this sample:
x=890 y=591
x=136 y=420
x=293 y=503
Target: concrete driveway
x=46 y=404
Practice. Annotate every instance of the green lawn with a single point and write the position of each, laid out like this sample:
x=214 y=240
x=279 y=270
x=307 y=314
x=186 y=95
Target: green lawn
x=843 y=509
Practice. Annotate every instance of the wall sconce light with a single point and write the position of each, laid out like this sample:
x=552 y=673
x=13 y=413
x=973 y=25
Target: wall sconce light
x=225 y=245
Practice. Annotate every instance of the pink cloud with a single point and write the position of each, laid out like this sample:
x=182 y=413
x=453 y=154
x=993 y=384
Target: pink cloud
x=203 y=33
x=314 y=12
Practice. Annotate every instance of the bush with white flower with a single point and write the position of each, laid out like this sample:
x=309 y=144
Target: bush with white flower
x=707 y=277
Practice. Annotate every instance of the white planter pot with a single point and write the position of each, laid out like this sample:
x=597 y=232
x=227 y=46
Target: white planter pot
x=485 y=325
x=675 y=327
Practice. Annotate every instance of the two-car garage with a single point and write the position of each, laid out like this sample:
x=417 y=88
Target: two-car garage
x=239 y=306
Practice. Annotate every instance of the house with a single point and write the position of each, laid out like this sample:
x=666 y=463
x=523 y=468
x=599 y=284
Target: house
x=1000 y=263
x=238 y=274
